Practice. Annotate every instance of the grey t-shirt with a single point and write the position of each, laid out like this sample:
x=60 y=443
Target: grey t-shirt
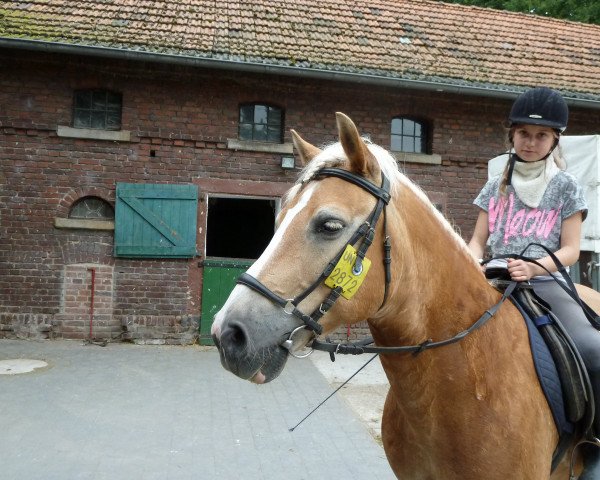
x=512 y=225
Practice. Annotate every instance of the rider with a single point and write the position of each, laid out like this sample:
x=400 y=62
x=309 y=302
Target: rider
x=535 y=200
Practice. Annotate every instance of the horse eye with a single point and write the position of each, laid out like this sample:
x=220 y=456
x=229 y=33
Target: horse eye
x=332 y=226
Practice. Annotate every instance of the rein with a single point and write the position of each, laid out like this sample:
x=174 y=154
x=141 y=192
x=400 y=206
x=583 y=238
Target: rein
x=357 y=348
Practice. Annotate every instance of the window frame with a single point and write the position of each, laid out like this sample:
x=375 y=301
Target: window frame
x=253 y=124
x=78 y=109
x=73 y=215
x=424 y=137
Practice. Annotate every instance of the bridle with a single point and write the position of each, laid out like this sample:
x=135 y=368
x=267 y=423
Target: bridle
x=366 y=233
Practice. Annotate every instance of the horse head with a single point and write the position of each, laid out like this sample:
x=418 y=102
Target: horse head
x=255 y=332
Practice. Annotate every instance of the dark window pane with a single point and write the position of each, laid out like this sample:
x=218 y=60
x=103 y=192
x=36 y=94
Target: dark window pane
x=82 y=119
x=99 y=100
x=396 y=126
x=260 y=114
x=396 y=143
x=245 y=131
x=274 y=134
x=260 y=133
x=83 y=99
x=113 y=101
x=417 y=129
x=98 y=120
x=113 y=120
x=247 y=114
x=274 y=116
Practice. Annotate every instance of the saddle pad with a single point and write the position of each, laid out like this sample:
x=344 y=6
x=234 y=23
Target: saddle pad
x=547 y=375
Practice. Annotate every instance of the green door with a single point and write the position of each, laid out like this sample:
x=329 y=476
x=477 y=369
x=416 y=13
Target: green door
x=218 y=282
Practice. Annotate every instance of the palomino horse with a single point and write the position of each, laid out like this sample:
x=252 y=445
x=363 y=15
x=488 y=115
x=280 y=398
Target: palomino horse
x=469 y=410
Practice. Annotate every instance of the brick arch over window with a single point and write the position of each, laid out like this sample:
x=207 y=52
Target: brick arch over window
x=67 y=201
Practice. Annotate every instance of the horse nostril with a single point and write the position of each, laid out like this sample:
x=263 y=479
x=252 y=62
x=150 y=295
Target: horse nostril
x=235 y=336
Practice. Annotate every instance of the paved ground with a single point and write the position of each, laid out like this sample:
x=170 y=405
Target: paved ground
x=365 y=393
x=127 y=412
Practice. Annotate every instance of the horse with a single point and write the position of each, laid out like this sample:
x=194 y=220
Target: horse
x=469 y=410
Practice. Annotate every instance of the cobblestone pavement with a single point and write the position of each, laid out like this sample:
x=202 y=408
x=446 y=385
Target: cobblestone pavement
x=127 y=412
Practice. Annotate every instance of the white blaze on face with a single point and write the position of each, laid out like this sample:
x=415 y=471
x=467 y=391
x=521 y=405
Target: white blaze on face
x=257 y=267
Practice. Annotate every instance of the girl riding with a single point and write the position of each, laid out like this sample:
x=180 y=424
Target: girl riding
x=535 y=201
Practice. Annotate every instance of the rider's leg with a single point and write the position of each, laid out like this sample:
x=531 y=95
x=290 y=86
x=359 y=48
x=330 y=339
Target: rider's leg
x=587 y=340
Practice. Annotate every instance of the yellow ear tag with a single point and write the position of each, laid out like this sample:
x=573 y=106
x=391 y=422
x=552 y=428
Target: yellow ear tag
x=343 y=276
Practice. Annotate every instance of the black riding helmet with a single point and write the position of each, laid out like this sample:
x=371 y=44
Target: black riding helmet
x=540 y=106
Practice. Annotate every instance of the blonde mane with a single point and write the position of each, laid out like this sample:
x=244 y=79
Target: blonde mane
x=333 y=155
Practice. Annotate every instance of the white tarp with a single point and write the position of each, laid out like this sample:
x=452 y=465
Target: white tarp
x=582 y=155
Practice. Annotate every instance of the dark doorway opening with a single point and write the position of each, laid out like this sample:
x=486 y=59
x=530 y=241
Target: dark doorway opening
x=239 y=227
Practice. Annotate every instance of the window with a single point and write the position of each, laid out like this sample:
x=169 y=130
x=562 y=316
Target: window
x=92 y=208
x=409 y=135
x=261 y=123
x=98 y=109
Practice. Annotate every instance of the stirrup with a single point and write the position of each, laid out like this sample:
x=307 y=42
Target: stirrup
x=595 y=441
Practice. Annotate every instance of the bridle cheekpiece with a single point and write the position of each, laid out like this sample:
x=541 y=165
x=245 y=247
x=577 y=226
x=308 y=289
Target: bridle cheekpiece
x=357 y=256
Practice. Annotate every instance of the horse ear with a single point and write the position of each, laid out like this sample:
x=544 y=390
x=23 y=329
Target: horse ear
x=306 y=151
x=361 y=159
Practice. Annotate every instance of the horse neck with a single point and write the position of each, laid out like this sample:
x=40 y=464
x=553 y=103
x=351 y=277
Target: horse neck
x=438 y=289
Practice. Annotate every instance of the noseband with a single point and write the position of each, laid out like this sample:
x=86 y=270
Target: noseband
x=365 y=234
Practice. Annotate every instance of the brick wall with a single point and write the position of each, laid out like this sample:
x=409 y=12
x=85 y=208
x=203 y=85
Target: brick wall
x=180 y=119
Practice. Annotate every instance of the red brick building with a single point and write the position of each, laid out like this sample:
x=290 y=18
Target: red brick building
x=176 y=115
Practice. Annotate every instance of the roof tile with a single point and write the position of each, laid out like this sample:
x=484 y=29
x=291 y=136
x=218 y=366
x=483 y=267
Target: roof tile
x=417 y=39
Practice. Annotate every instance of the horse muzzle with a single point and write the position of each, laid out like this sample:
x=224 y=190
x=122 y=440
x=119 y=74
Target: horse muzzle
x=242 y=358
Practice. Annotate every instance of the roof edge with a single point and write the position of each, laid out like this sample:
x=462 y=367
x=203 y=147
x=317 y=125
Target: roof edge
x=441 y=86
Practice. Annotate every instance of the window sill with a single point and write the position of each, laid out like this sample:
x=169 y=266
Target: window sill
x=250 y=146
x=94 y=134
x=405 y=157
x=83 y=224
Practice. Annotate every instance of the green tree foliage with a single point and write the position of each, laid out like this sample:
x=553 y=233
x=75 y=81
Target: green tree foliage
x=586 y=11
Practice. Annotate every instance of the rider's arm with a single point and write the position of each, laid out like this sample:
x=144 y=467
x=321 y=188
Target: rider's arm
x=480 y=235
x=568 y=253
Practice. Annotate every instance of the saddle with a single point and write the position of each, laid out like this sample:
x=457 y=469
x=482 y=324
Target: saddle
x=561 y=371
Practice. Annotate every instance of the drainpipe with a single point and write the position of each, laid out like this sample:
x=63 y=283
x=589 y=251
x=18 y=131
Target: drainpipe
x=93 y=289
x=90 y=340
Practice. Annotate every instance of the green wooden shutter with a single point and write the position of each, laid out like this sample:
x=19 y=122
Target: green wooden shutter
x=155 y=220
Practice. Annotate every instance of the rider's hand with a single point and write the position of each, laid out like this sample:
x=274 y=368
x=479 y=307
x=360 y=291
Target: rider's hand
x=520 y=270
